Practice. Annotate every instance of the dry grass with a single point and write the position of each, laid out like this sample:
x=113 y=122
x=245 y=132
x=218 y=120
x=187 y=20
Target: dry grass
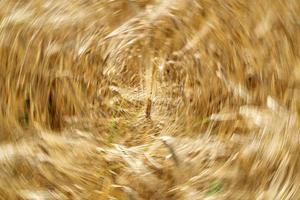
x=150 y=99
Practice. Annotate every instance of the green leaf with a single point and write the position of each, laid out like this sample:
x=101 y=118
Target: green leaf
x=215 y=187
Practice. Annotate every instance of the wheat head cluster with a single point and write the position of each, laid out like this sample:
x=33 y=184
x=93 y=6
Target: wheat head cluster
x=150 y=99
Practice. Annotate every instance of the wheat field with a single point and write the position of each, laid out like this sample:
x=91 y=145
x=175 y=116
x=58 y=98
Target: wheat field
x=150 y=99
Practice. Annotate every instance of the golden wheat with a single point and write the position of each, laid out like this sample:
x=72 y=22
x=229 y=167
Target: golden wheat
x=150 y=99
